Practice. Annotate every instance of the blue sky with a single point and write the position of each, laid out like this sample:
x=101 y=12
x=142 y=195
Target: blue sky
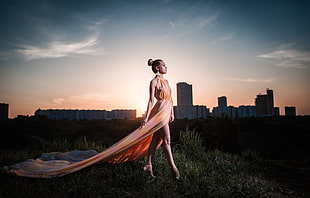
x=92 y=54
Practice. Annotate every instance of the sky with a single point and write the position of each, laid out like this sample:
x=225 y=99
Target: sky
x=93 y=54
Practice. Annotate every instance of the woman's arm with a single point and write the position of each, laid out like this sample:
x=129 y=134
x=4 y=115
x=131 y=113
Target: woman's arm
x=172 y=112
x=150 y=102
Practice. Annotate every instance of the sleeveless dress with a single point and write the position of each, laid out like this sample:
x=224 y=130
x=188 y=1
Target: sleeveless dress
x=130 y=148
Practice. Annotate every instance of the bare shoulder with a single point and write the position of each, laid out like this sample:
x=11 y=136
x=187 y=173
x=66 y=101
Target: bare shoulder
x=154 y=82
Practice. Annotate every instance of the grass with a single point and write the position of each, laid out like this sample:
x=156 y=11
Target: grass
x=203 y=174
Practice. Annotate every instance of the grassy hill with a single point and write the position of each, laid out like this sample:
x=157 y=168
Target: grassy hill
x=203 y=174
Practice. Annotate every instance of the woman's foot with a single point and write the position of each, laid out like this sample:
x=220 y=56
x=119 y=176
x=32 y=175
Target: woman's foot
x=149 y=170
x=176 y=173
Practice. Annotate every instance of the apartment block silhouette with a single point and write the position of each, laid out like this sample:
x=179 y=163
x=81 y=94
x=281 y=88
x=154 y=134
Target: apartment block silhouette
x=290 y=111
x=185 y=107
x=264 y=104
x=184 y=94
x=74 y=114
x=222 y=105
x=4 y=111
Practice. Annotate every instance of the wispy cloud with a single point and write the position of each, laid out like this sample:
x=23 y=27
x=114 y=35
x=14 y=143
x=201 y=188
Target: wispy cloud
x=226 y=37
x=92 y=96
x=207 y=20
x=223 y=38
x=87 y=98
x=195 y=17
x=58 y=100
x=60 y=49
x=186 y=26
x=284 y=56
x=188 y=18
x=251 y=80
x=101 y=22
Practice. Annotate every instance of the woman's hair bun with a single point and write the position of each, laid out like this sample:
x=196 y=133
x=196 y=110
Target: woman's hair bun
x=150 y=62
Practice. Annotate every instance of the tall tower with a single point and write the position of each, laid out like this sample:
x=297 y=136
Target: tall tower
x=185 y=108
x=184 y=94
x=264 y=104
x=270 y=103
x=222 y=104
x=4 y=111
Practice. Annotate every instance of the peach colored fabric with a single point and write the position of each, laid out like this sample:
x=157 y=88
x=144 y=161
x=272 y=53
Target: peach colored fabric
x=132 y=147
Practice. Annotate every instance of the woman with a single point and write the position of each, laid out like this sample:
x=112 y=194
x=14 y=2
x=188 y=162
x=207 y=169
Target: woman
x=160 y=89
x=140 y=143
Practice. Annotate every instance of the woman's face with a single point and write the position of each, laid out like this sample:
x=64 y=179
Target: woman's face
x=162 y=68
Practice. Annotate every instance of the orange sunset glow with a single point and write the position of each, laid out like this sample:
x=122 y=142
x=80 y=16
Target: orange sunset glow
x=94 y=56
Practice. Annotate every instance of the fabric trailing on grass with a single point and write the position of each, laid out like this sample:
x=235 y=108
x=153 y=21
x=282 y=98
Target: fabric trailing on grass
x=130 y=148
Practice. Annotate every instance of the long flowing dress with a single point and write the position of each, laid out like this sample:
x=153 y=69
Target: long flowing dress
x=130 y=148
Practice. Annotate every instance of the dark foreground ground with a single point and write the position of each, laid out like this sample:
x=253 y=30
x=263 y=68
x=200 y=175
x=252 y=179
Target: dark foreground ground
x=258 y=157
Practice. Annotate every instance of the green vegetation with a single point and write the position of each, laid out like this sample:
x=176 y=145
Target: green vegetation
x=204 y=174
x=216 y=158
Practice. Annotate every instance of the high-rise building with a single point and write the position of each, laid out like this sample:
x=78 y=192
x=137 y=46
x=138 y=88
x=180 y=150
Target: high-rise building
x=232 y=111
x=201 y=111
x=185 y=107
x=59 y=114
x=92 y=114
x=245 y=111
x=222 y=104
x=184 y=111
x=264 y=104
x=184 y=94
x=191 y=112
x=121 y=114
x=276 y=111
x=215 y=112
x=4 y=111
x=290 y=111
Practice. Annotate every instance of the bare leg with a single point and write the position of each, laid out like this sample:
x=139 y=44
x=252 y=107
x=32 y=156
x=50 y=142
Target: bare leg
x=151 y=153
x=152 y=148
x=165 y=135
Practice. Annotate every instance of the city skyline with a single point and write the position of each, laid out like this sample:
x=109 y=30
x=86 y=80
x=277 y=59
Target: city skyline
x=264 y=106
x=76 y=114
x=92 y=55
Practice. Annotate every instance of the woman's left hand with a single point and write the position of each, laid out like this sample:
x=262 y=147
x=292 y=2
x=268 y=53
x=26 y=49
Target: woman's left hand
x=143 y=122
x=171 y=118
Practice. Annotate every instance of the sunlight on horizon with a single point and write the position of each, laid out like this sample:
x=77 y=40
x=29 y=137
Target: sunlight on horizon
x=93 y=55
